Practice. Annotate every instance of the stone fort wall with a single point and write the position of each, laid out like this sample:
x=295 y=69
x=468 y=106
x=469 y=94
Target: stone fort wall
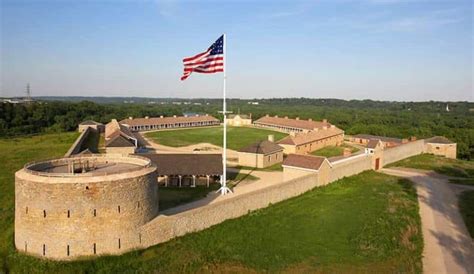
x=394 y=154
x=67 y=217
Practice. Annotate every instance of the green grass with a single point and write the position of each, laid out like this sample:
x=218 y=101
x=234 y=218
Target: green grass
x=173 y=196
x=463 y=181
x=237 y=137
x=15 y=153
x=332 y=151
x=364 y=223
x=442 y=165
x=466 y=207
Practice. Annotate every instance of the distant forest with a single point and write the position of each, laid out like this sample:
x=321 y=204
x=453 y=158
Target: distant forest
x=394 y=119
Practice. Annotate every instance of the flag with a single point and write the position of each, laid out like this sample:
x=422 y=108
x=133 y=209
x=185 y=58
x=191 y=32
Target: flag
x=210 y=61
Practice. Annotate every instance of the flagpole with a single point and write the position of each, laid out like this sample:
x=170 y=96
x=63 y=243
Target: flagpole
x=224 y=189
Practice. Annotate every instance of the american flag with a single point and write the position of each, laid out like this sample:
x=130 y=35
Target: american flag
x=210 y=61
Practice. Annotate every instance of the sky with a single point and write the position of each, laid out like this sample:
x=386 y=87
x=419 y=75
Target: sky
x=397 y=50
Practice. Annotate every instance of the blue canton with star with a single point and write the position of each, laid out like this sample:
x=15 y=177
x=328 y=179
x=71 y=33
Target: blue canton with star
x=218 y=46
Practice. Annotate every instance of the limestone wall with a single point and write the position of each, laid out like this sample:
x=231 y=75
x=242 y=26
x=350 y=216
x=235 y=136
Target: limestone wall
x=350 y=166
x=393 y=154
x=76 y=146
x=67 y=217
x=164 y=228
x=446 y=150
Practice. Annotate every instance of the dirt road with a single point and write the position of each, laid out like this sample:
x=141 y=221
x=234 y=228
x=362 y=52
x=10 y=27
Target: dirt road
x=448 y=246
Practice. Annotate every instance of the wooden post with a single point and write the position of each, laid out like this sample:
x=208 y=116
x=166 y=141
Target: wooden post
x=179 y=176
x=194 y=181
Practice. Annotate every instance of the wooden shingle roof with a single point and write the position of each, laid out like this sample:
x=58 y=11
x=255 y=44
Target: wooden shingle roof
x=262 y=147
x=294 y=123
x=187 y=164
x=304 y=161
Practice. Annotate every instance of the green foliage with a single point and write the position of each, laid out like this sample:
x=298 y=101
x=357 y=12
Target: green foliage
x=466 y=207
x=237 y=137
x=393 y=119
x=442 y=165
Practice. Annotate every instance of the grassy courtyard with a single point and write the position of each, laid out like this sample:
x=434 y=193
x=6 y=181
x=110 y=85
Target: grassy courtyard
x=237 y=137
x=367 y=222
x=332 y=151
x=451 y=167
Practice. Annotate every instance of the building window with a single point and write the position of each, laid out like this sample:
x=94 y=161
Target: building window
x=68 y=213
x=118 y=209
x=44 y=249
x=95 y=212
x=437 y=147
x=87 y=187
x=68 y=250
x=95 y=249
x=119 y=243
x=44 y=213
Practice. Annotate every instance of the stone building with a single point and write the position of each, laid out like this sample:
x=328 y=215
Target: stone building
x=156 y=123
x=442 y=146
x=295 y=166
x=303 y=143
x=238 y=120
x=375 y=148
x=187 y=169
x=92 y=124
x=363 y=139
x=119 y=139
x=261 y=154
x=288 y=125
x=84 y=206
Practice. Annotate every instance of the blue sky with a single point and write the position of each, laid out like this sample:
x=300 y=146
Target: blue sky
x=369 y=49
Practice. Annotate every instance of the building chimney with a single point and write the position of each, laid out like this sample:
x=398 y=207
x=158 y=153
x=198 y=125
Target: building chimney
x=325 y=120
x=146 y=117
x=347 y=152
x=207 y=114
x=267 y=115
x=271 y=138
x=297 y=118
x=325 y=127
x=161 y=116
x=276 y=116
x=404 y=141
x=130 y=118
x=413 y=138
x=286 y=117
x=310 y=119
x=174 y=116
x=185 y=115
x=333 y=126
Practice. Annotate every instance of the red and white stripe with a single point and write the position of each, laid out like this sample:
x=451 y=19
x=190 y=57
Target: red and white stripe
x=203 y=63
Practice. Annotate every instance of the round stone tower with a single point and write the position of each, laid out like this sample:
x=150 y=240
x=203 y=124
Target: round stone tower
x=84 y=206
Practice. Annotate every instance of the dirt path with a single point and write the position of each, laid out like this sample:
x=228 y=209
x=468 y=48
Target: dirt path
x=448 y=246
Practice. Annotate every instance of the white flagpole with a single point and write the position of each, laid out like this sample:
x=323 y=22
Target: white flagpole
x=224 y=189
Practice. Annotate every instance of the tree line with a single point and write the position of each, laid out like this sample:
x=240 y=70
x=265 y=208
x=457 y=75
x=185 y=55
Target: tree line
x=393 y=119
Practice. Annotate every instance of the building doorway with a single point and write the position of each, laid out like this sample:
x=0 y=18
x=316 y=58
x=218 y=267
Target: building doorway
x=377 y=163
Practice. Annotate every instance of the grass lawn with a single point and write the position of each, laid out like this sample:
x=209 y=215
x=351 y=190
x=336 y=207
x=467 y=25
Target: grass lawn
x=15 y=153
x=237 y=137
x=466 y=206
x=442 y=165
x=332 y=151
x=364 y=223
x=173 y=196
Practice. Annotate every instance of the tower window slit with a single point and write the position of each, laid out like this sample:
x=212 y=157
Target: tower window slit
x=118 y=209
x=95 y=249
x=68 y=250
x=44 y=213
x=68 y=213
x=44 y=249
x=95 y=212
x=119 y=243
x=26 y=247
x=26 y=210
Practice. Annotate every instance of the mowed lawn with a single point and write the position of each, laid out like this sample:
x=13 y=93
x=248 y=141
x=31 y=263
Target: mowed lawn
x=364 y=223
x=237 y=137
x=332 y=151
x=462 y=169
x=15 y=153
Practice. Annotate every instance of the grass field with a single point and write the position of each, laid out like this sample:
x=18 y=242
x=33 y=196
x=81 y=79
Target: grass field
x=442 y=165
x=237 y=137
x=173 y=196
x=466 y=207
x=332 y=151
x=363 y=223
x=15 y=153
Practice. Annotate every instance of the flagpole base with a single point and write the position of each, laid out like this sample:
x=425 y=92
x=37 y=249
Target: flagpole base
x=224 y=190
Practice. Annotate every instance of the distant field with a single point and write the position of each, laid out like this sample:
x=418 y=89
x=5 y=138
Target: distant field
x=365 y=223
x=332 y=151
x=237 y=137
x=442 y=165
